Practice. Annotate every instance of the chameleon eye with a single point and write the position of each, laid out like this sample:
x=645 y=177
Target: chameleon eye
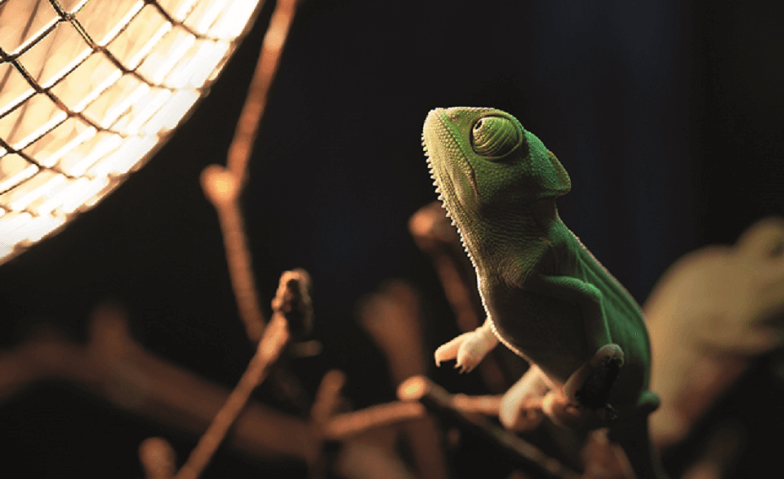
x=494 y=136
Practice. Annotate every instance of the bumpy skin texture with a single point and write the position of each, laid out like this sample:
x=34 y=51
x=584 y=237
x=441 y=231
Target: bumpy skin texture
x=546 y=297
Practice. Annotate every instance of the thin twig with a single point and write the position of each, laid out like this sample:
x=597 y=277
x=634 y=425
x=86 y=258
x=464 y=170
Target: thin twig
x=271 y=344
x=222 y=186
x=256 y=101
x=158 y=458
x=343 y=426
x=291 y=306
x=328 y=397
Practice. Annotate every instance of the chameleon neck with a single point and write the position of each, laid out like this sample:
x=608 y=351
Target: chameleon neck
x=504 y=238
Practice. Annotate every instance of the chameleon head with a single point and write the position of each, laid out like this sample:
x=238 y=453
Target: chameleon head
x=484 y=161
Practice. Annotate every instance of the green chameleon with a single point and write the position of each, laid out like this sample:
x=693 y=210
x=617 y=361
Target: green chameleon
x=546 y=297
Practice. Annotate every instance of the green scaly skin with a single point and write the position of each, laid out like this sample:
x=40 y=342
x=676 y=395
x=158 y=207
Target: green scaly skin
x=546 y=297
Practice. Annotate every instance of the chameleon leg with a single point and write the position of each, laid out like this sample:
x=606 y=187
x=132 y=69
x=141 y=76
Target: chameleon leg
x=592 y=382
x=582 y=402
x=521 y=405
x=469 y=348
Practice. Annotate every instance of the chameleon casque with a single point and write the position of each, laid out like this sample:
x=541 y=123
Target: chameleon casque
x=546 y=297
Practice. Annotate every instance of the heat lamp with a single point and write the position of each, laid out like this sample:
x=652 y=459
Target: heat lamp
x=89 y=89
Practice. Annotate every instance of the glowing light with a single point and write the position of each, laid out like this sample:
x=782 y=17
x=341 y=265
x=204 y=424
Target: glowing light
x=15 y=88
x=77 y=162
x=145 y=109
x=81 y=192
x=50 y=59
x=166 y=54
x=60 y=141
x=219 y=184
x=230 y=15
x=181 y=8
x=30 y=120
x=105 y=20
x=412 y=389
x=24 y=12
x=14 y=170
x=12 y=222
x=19 y=198
x=124 y=158
x=88 y=89
x=134 y=43
x=204 y=15
x=171 y=113
x=37 y=228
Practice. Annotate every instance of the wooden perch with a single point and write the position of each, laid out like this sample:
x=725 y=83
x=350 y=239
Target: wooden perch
x=392 y=317
x=524 y=454
x=115 y=367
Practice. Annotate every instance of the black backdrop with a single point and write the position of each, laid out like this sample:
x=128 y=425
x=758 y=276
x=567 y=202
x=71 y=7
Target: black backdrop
x=667 y=115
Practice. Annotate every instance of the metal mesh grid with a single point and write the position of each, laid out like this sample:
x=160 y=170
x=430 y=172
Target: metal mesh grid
x=88 y=89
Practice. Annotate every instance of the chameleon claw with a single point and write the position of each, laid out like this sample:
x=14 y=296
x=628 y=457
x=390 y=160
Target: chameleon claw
x=468 y=349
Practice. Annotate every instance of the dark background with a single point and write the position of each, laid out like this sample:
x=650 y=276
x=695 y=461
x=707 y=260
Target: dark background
x=667 y=115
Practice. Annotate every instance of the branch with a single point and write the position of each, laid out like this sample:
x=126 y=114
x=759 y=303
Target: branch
x=275 y=338
x=530 y=458
x=115 y=367
x=223 y=186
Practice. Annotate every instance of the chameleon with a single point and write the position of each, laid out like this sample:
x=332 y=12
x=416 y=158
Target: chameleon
x=546 y=297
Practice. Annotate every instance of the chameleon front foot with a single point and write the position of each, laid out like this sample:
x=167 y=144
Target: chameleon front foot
x=468 y=349
x=583 y=401
x=591 y=384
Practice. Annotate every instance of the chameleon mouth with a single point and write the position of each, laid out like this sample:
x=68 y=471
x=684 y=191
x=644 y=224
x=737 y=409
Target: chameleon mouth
x=446 y=155
x=435 y=126
x=444 y=203
x=437 y=140
x=435 y=179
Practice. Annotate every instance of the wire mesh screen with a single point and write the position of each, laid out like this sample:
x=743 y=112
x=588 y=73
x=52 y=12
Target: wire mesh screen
x=88 y=89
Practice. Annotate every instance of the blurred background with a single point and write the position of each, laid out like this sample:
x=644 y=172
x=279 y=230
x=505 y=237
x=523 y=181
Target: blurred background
x=669 y=117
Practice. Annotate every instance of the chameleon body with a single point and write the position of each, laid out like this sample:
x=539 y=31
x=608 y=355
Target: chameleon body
x=546 y=297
